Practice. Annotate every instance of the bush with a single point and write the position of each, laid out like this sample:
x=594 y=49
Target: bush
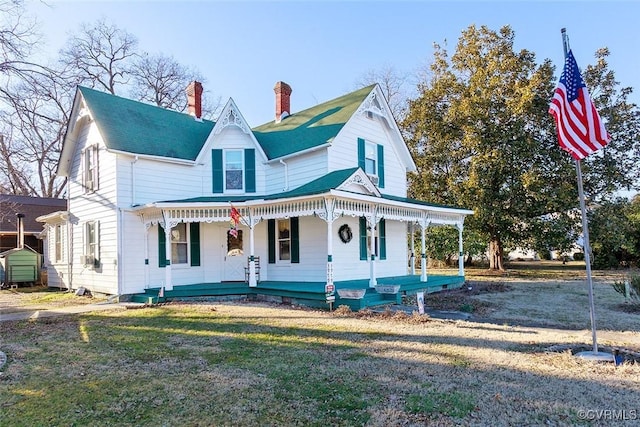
x=634 y=287
x=578 y=256
x=545 y=255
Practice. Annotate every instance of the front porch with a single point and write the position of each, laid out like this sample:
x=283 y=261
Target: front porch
x=353 y=293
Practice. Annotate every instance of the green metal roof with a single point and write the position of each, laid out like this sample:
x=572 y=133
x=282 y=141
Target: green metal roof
x=139 y=128
x=309 y=128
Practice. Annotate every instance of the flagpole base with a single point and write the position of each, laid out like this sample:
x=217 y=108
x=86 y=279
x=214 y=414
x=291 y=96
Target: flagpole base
x=596 y=356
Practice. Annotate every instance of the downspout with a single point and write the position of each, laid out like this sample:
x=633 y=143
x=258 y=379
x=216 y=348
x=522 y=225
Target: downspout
x=133 y=180
x=286 y=175
x=69 y=250
x=119 y=257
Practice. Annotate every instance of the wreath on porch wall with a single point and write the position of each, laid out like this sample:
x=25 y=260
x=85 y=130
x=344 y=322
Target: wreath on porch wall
x=345 y=233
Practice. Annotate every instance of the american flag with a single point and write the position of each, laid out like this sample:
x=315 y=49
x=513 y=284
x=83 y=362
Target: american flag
x=580 y=129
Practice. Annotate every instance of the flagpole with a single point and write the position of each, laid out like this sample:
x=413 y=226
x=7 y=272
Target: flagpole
x=585 y=228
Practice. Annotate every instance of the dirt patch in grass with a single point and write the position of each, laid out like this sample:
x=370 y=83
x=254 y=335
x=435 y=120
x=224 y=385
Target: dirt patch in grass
x=41 y=297
x=462 y=299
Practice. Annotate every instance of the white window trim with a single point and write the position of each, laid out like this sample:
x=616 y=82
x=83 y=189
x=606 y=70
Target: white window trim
x=90 y=158
x=224 y=171
x=95 y=250
x=374 y=146
x=58 y=244
x=187 y=242
x=376 y=243
x=278 y=240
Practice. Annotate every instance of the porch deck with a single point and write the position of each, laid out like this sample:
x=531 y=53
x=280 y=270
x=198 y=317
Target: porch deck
x=313 y=294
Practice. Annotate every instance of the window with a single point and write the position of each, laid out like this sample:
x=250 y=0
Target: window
x=90 y=178
x=233 y=170
x=371 y=158
x=379 y=243
x=284 y=240
x=371 y=161
x=91 y=243
x=57 y=240
x=234 y=244
x=185 y=245
x=179 y=244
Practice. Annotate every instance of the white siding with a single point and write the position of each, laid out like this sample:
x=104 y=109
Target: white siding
x=56 y=270
x=313 y=255
x=145 y=181
x=346 y=256
x=97 y=206
x=301 y=170
x=343 y=153
x=212 y=253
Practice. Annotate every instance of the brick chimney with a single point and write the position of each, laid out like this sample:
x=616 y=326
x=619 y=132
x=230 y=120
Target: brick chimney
x=283 y=100
x=194 y=99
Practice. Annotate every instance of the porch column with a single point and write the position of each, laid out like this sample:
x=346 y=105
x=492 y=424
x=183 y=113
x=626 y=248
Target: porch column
x=460 y=227
x=329 y=255
x=373 y=222
x=423 y=262
x=412 y=260
x=252 y=260
x=329 y=215
x=146 y=255
x=250 y=221
x=168 y=284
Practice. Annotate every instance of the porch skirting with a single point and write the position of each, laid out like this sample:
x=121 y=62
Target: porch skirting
x=311 y=294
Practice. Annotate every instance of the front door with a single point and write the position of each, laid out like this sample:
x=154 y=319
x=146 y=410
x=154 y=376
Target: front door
x=234 y=258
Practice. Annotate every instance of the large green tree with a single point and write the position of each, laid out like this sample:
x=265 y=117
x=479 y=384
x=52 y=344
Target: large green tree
x=614 y=228
x=482 y=138
x=617 y=165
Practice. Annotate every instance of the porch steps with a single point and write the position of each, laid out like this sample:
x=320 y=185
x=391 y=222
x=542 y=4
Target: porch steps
x=151 y=296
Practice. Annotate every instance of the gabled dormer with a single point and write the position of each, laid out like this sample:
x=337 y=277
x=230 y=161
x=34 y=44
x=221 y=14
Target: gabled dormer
x=236 y=158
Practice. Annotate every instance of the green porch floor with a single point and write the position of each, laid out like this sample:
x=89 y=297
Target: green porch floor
x=310 y=294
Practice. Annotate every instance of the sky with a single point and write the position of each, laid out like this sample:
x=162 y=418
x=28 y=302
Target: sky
x=322 y=49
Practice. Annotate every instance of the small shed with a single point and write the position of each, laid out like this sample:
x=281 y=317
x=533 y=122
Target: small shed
x=19 y=265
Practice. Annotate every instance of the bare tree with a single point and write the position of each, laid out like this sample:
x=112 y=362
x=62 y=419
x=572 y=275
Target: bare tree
x=161 y=80
x=393 y=85
x=17 y=39
x=102 y=54
x=34 y=129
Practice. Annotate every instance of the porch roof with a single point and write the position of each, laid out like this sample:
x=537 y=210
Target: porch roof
x=329 y=185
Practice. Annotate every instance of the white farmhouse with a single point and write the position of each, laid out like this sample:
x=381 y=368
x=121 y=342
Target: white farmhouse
x=319 y=199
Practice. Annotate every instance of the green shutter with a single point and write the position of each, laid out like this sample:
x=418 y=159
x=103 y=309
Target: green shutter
x=380 y=166
x=162 y=247
x=382 y=232
x=295 y=240
x=194 y=241
x=361 y=162
x=250 y=170
x=363 y=239
x=217 y=172
x=271 y=231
